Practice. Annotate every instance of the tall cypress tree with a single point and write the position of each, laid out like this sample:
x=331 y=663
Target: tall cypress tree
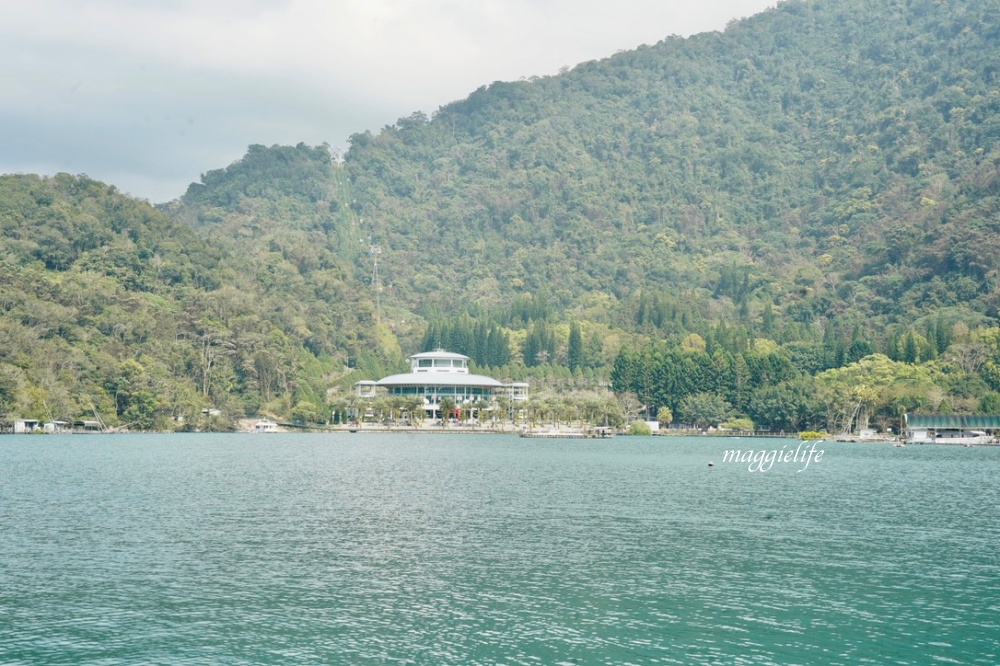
x=911 y=353
x=943 y=335
x=574 y=355
x=767 y=320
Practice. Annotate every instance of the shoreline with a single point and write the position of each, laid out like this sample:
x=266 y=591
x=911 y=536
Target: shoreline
x=527 y=432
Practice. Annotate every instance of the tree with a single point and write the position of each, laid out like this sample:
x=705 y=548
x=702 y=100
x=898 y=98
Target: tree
x=694 y=343
x=8 y=391
x=446 y=407
x=639 y=428
x=705 y=409
x=465 y=410
x=414 y=407
x=338 y=411
x=911 y=350
x=969 y=356
x=396 y=406
x=629 y=405
x=574 y=354
x=740 y=424
x=874 y=385
x=785 y=407
x=858 y=350
x=990 y=403
x=767 y=320
x=305 y=412
x=502 y=411
x=664 y=416
x=480 y=406
x=136 y=404
x=141 y=412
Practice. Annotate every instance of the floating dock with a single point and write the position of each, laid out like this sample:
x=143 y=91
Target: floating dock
x=568 y=434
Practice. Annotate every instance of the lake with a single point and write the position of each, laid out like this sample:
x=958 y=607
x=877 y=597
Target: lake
x=490 y=549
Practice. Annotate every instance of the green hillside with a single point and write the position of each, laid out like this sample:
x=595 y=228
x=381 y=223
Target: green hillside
x=842 y=155
x=735 y=217
x=113 y=308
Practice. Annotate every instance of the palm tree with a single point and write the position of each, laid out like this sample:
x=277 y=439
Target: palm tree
x=445 y=408
x=502 y=409
x=338 y=411
x=591 y=409
x=382 y=407
x=480 y=406
x=414 y=406
x=395 y=407
x=536 y=411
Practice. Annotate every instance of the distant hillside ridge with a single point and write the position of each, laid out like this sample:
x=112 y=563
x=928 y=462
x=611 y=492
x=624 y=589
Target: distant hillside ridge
x=110 y=307
x=843 y=153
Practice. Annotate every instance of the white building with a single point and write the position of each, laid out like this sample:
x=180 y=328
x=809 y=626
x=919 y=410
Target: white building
x=23 y=426
x=961 y=429
x=439 y=374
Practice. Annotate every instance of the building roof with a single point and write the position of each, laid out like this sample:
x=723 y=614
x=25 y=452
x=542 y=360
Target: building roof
x=957 y=421
x=438 y=379
x=440 y=353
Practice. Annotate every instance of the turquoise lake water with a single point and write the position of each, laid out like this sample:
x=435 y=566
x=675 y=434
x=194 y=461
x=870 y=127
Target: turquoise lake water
x=422 y=549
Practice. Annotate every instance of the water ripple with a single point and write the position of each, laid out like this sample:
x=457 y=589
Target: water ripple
x=481 y=550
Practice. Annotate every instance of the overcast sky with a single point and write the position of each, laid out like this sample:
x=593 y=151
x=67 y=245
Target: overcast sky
x=147 y=95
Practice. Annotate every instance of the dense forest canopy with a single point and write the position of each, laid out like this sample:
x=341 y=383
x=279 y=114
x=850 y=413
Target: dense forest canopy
x=842 y=155
x=715 y=224
x=112 y=307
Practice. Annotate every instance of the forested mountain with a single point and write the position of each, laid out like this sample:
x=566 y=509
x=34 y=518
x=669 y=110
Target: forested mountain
x=840 y=155
x=818 y=183
x=110 y=307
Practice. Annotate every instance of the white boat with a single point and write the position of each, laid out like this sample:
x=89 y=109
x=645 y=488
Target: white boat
x=265 y=425
x=951 y=436
x=964 y=437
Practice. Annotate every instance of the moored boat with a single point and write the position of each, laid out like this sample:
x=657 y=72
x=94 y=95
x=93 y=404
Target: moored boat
x=954 y=437
x=264 y=425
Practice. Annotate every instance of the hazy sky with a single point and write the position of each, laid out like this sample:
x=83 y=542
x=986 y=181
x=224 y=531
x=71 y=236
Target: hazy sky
x=149 y=94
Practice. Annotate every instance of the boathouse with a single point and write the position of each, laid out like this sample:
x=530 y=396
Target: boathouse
x=23 y=426
x=951 y=428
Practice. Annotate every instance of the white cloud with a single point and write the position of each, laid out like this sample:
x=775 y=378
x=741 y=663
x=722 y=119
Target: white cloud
x=191 y=84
